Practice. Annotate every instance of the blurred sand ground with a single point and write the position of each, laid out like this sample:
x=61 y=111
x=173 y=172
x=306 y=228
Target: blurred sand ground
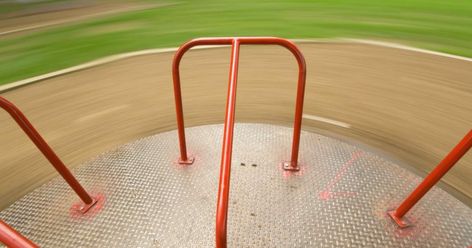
x=62 y=12
x=411 y=105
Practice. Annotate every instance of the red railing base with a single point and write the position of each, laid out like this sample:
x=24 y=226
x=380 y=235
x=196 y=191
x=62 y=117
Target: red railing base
x=189 y=161
x=290 y=166
x=401 y=222
x=86 y=207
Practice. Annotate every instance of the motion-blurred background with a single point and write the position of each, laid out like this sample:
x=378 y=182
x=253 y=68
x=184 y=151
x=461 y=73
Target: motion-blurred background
x=39 y=36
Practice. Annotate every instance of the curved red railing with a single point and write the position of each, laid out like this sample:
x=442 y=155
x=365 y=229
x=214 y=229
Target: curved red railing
x=41 y=144
x=225 y=170
x=441 y=169
x=184 y=158
x=13 y=239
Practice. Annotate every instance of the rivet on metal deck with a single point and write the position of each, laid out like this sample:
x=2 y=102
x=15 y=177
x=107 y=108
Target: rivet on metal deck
x=339 y=197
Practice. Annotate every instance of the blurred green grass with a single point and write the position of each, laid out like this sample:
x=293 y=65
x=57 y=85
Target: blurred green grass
x=444 y=26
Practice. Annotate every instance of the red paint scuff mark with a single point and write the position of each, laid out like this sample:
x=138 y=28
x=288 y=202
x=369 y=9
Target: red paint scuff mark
x=327 y=193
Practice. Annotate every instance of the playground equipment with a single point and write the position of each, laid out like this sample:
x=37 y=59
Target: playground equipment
x=11 y=238
x=446 y=164
x=28 y=128
x=169 y=184
x=223 y=189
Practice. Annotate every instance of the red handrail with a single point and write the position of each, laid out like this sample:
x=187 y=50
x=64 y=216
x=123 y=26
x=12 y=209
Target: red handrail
x=441 y=169
x=225 y=170
x=47 y=151
x=13 y=239
x=184 y=158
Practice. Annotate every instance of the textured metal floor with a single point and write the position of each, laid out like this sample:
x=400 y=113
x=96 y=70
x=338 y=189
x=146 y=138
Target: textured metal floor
x=338 y=199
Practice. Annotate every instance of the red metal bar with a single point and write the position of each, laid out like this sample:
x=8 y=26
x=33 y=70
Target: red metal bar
x=226 y=154
x=225 y=170
x=47 y=151
x=13 y=239
x=441 y=169
x=289 y=165
x=184 y=159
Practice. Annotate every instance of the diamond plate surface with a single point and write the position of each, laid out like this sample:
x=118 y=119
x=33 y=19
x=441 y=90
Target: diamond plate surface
x=337 y=199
